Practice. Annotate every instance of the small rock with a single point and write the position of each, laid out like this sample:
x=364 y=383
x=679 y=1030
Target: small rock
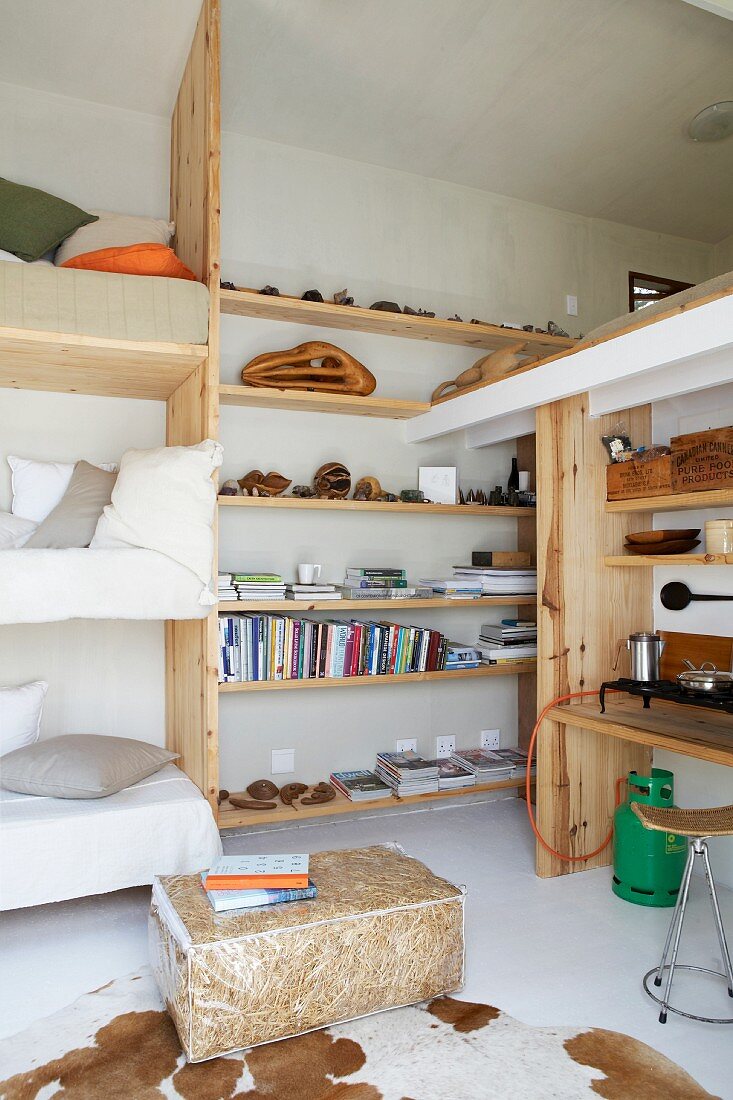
x=312 y=296
x=386 y=307
x=270 y=290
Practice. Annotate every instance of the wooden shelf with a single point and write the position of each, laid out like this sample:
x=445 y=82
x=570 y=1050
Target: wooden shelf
x=375 y=506
x=386 y=408
x=230 y=818
x=677 y=502
x=33 y=360
x=248 y=303
x=640 y=561
x=690 y=731
x=306 y=606
x=369 y=681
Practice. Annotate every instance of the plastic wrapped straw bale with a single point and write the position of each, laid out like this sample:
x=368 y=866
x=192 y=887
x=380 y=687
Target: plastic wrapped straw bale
x=383 y=932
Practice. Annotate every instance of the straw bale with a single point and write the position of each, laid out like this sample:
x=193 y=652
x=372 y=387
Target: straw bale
x=383 y=932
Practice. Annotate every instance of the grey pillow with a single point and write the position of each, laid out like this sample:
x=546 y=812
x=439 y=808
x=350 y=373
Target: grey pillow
x=82 y=765
x=74 y=519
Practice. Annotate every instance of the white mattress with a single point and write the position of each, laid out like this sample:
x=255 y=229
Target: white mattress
x=48 y=586
x=52 y=849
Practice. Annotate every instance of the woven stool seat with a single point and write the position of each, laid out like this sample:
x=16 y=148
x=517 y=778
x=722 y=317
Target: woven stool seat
x=715 y=821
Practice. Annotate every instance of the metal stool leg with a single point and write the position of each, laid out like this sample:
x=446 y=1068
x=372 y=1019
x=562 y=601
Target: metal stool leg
x=675 y=916
x=718 y=919
x=684 y=891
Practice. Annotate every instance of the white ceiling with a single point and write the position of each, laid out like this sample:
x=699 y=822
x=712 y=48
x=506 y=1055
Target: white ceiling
x=576 y=104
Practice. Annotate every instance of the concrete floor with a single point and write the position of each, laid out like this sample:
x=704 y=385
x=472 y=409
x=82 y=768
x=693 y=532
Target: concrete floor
x=562 y=951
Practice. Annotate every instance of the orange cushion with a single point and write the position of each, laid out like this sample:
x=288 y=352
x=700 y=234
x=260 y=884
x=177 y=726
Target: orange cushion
x=135 y=259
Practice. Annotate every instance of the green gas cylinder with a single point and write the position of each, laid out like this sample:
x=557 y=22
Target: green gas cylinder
x=647 y=865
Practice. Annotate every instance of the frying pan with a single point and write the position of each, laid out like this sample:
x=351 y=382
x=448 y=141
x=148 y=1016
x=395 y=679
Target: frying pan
x=676 y=596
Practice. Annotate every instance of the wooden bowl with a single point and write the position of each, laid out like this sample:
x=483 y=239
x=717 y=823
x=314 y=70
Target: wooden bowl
x=650 y=537
x=672 y=546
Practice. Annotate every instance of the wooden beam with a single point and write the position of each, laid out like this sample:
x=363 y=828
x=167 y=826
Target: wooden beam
x=584 y=610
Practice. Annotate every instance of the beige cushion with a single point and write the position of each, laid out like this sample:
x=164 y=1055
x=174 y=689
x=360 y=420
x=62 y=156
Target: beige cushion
x=74 y=519
x=84 y=765
x=114 y=231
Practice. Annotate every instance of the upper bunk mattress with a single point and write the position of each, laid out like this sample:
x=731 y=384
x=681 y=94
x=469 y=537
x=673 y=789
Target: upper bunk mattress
x=98 y=303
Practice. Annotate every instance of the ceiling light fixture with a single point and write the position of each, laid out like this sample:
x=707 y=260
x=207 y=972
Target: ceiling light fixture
x=713 y=123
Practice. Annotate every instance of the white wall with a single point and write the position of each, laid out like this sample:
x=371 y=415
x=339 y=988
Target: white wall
x=723 y=256
x=697 y=783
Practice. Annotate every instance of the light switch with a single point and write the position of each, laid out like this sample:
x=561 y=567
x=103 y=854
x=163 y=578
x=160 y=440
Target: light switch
x=283 y=760
x=571 y=305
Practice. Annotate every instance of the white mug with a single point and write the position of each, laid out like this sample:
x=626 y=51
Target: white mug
x=308 y=574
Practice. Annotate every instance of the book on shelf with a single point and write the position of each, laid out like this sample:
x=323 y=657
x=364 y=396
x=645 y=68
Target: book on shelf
x=368 y=583
x=451 y=774
x=508 y=635
x=360 y=785
x=484 y=764
x=453 y=586
x=379 y=592
x=460 y=656
x=374 y=571
x=258 y=872
x=257 y=578
x=503 y=654
x=294 y=586
x=231 y=901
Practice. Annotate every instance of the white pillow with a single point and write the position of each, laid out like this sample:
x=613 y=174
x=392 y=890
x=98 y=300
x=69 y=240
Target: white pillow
x=10 y=257
x=14 y=531
x=164 y=500
x=114 y=231
x=20 y=715
x=39 y=486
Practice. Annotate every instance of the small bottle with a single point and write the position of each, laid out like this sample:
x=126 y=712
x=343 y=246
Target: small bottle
x=513 y=482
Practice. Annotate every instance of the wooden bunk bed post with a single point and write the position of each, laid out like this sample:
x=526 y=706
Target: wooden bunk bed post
x=584 y=609
x=192 y=412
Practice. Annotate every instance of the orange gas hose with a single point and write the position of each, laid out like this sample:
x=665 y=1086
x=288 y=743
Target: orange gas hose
x=528 y=786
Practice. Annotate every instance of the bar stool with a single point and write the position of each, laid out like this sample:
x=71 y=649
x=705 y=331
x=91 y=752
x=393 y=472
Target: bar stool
x=698 y=826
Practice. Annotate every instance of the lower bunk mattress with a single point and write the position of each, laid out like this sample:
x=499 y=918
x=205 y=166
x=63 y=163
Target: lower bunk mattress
x=48 y=586
x=53 y=849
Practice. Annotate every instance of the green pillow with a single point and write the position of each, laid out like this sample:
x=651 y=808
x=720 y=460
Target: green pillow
x=32 y=221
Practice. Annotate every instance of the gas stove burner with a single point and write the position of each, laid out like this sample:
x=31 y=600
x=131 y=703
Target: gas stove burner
x=667 y=691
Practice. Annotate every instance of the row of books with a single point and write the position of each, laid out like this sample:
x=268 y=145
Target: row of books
x=254 y=647
x=244 y=882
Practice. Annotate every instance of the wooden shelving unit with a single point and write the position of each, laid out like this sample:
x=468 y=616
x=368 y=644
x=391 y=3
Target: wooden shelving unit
x=369 y=681
x=231 y=817
x=677 y=502
x=648 y=561
x=249 y=303
x=306 y=606
x=384 y=408
x=701 y=733
x=376 y=506
x=66 y=363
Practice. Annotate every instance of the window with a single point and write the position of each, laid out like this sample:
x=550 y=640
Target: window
x=645 y=289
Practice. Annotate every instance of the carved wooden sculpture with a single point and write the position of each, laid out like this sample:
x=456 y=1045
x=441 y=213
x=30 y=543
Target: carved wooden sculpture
x=490 y=368
x=257 y=484
x=311 y=366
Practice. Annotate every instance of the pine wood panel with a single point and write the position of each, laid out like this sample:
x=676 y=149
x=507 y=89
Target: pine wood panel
x=344 y=404
x=248 y=303
x=484 y=510
x=685 y=730
x=304 y=607
x=230 y=818
x=696 y=648
x=516 y=668
x=584 y=610
x=676 y=502
x=527 y=541
x=648 y=561
x=67 y=363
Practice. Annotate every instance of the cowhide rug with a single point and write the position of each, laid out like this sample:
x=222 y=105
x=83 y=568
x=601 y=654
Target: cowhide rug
x=118 y=1044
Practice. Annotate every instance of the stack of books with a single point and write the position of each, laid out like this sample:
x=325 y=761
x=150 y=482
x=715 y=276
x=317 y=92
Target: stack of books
x=518 y=759
x=452 y=775
x=311 y=592
x=455 y=588
x=406 y=773
x=259 y=586
x=376 y=583
x=225 y=588
x=509 y=640
x=498 y=582
x=243 y=882
x=485 y=764
x=254 y=646
x=460 y=656
x=360 y=786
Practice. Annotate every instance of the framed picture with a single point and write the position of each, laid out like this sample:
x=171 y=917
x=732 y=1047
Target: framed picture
x=439 y=483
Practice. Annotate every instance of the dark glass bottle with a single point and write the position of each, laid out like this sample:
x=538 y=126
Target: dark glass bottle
x=513 y=482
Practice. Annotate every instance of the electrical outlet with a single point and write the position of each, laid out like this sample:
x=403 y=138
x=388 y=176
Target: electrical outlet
x=571 y=305
x=490 y=739
x=283 y=760
x=445 y=745
x=406 y=744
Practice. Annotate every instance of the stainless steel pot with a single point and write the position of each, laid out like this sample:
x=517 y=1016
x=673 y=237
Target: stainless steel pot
x=706 y=680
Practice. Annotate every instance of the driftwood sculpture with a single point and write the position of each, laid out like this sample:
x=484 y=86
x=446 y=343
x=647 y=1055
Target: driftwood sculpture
x=492 y=367
x=312 y=366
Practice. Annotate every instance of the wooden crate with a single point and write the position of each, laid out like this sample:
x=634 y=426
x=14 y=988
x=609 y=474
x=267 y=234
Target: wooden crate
x=702 y=460
x=626 y=480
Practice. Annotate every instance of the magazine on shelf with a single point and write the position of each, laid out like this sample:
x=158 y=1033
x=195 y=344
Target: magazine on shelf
x=451 y=774
x=407 y=765
x=360 y=785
